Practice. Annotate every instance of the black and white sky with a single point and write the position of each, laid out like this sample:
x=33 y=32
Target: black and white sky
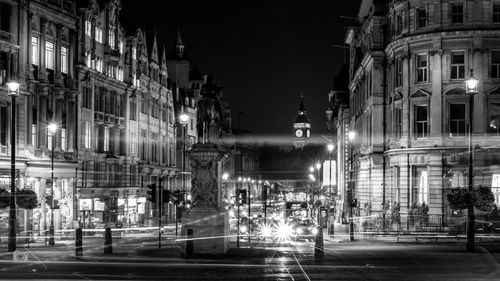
x=264 y=53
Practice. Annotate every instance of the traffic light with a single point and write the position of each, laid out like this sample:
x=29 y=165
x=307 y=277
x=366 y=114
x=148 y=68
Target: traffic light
x=166 y=195
x=264 y=192
x=177 y=197
x=151 y=192
x=242 y=196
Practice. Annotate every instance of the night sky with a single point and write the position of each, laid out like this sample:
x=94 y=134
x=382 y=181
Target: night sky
x=264 y=53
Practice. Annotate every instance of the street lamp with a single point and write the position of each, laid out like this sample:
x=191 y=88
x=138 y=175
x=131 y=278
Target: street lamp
x=13 y=92
x=249 y=180
x=52 y=132
x=330 y=148
x=238 y=212
x=183 y=119
x=352 y=136
x=471 y=89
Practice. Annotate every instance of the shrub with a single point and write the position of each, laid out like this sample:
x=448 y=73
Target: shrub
x=4 y=199
x=26 y=199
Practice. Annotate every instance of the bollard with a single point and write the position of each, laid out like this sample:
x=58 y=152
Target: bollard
x=78 y=242
x=108 y=241
x=189 y=243
x=318 y=245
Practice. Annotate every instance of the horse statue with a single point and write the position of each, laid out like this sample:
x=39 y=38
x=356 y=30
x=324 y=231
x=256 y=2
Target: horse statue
x=209 y=113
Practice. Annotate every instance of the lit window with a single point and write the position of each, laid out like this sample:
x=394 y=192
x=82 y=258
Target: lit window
x=134 y=53
x=457 y=120
x=133 y=143
x=495 y=188
x=63 y=139
x=496 y=13
x=421 y=187
x=422 y=68
x=457 y=65
x=33 y=134
x=421 y=18
x=49 y=55
x=88 y=135
x=98 y=35
x=50 y=140
x=98 y=64
x=111 y=37
x=494 y=119
x=421 y=125
x=106 y=138
x=88 y=58
x=64 y=60
x=495 y=64
x=88 y=28
x=457 y=13
x=34 y=50
x=120 y=47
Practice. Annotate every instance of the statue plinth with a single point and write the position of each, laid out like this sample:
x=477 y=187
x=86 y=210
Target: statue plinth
x=205 y=228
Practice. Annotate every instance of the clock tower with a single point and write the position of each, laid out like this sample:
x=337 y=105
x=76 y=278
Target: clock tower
x=301 y=127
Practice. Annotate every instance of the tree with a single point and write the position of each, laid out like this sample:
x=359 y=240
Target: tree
x=482 y=198
x=26 y=199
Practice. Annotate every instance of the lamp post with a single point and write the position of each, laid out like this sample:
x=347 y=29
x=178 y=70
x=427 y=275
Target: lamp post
x=13 y=92
x=238 y=213
x=351 y=136
x=471 y=89
x=52 y=131
x=249 y=180
x=183 y=119
x=330 y=148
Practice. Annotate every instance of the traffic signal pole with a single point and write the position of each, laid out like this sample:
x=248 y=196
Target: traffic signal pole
x=160 y=199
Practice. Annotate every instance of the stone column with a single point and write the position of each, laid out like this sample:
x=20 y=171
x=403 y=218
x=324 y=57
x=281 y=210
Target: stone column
x=29 y=62
x=58 y=112
x=207 y=218
x=42 y=73
x=43 y=219
x=42 y=116
x=70 y=121
x=58 y=79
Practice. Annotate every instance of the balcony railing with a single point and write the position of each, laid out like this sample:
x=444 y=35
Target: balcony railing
x=6 y=36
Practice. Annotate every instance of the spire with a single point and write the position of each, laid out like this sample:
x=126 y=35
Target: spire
x=302 y=107
x=179 y=47
x=301 y=113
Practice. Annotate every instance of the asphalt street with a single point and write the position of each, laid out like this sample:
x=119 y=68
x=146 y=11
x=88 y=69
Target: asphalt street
x=292 y=260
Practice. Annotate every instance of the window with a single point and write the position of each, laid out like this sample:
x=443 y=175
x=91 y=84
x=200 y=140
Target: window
x=421 y=125
x=422 y=68
x=120 y=47
x=457 y=119
x=399 y=72
x=399 y=23
x=133 y=109
x=134 y=53
x=64 y=60
x=34 y=50
x=98 y=64
x=98 y=35
x=495 y=64
x=50 y=140
x=495 y=188
x=88 y=28
x=494 y=119
x=87 y=97
x=133 y=143
x=111 y=37
x=33 y=134
x=4 y=119
x=458 y=65
x=496 y=13
x=398 y=122
x=63 y=139
x=457 y=13
x=191 y=122
x=49 y=55
x=421 y=18
x=106 y=139
x=88 y=58
x=119 y=75
x=88 y=135
x=420 y=186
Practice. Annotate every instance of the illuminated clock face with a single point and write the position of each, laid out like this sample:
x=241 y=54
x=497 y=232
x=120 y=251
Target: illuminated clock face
x=308 y=133
x=298 y=133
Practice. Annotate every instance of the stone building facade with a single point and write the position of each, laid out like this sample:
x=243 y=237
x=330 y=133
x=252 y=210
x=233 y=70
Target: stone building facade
x=408 y=65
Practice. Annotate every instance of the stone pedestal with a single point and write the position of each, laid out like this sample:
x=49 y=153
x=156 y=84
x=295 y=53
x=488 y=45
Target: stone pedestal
x=205 y=228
